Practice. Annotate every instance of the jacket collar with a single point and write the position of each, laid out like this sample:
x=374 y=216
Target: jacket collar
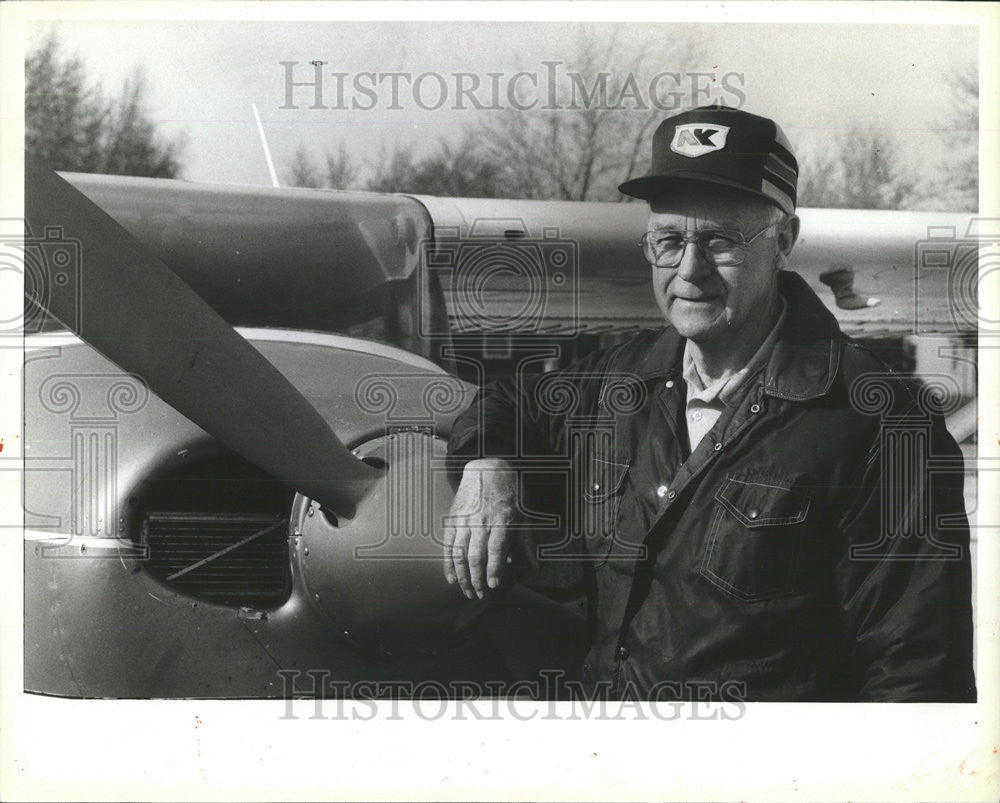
x=805 y=359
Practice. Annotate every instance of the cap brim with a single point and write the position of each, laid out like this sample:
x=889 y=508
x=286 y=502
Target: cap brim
x=655 y=187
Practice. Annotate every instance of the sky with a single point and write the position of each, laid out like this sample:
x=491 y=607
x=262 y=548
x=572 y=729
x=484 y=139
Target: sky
x=816 y=80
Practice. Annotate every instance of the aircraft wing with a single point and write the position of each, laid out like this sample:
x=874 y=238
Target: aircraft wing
x=278 y=257
x=291 y=258
x=918 y=268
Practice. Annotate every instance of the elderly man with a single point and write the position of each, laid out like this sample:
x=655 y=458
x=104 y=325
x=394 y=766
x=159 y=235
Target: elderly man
x=760 y=515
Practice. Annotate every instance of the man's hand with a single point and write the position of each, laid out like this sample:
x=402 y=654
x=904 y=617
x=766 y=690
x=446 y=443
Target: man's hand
x=477 y=535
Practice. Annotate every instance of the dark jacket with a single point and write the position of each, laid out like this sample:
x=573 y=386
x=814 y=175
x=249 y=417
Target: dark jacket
x=813 y=547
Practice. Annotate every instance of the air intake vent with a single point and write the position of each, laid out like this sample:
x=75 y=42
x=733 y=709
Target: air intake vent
x=226 y=558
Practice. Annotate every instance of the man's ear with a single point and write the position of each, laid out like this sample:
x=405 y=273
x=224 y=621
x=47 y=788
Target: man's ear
x=787 y=235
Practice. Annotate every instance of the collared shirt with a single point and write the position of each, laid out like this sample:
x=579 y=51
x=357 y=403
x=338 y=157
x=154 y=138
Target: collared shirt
x=705 y=403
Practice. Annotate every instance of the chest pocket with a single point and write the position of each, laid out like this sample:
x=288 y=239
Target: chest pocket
x=604 y=483
x=754 y=543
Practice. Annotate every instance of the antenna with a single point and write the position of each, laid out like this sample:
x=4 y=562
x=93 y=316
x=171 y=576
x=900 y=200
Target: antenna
x=267 y=151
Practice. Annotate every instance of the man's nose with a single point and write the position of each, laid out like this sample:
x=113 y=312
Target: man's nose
x=693 y=264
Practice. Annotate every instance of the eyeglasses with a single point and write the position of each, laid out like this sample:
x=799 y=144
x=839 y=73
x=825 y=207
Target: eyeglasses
x=664 y=248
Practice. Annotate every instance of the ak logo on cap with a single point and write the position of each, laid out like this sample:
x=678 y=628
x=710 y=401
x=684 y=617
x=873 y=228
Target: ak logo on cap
x=697 y=139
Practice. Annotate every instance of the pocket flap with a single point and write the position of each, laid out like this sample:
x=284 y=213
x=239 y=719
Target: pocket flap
x=764 y=502
x=605 y=478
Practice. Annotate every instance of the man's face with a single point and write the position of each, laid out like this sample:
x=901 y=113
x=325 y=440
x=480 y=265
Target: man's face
x=711 y=303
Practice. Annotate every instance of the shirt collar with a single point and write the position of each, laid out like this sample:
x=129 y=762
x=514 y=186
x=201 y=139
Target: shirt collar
x=725 y=387
x=805 y=359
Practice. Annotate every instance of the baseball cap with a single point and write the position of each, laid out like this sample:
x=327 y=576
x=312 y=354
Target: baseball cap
x=722 y=146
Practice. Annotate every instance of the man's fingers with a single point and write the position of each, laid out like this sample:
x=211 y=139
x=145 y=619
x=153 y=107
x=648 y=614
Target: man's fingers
x=449 y=531
x=475 y=556
x=477 y=559
x=497 y=555
x=485 y=498
x=459 y=557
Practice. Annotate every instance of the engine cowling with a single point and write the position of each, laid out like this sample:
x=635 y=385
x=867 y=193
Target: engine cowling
x=378 y=576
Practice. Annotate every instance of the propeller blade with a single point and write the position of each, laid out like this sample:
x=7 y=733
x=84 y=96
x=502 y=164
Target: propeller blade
x=139 y=314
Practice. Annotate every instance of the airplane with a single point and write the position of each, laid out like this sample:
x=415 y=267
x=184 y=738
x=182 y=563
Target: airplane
x=237 y=401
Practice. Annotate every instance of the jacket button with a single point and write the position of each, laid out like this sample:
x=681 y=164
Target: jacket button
x=662 y=491
x=595 y=487
x=755 y=408
x=718 y=447
x=671 y=494
x=753 y=513
x=670 y=383
x=622 y=653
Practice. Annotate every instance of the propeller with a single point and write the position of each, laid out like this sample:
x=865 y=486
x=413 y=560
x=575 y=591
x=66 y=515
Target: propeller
x=139 y=314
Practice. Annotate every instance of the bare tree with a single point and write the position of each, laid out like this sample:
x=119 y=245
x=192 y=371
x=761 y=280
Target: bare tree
x=302 y=172
x=341 y=171
x=581 y=147
x=70 y=125
x=463 y=169
x=132 y=146
x=393 y=170
x=597 y=133
x=860 y=170
x=64 y=116
x=959 y=186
